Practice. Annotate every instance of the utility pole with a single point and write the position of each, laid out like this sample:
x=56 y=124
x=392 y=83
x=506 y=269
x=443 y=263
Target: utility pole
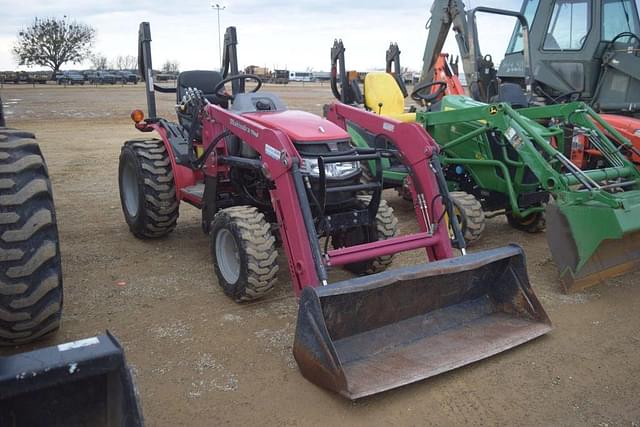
x=218 y=7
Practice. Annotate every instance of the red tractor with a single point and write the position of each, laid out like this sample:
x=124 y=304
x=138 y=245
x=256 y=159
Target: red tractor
x=263 y=174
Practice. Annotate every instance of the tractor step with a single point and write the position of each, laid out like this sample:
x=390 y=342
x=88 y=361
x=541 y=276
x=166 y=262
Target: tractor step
x=193 y=194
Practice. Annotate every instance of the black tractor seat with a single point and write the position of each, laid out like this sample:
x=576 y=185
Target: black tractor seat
x=206 y=81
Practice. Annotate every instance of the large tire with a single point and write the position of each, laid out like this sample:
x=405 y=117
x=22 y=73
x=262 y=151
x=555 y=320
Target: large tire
x=534 y=223
x=30 y=269
x=244 y=253
x=147 y=188
x=470 y=215
x=386 y=227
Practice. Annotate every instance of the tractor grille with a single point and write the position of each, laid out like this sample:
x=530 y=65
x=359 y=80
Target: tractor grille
x=333 y=200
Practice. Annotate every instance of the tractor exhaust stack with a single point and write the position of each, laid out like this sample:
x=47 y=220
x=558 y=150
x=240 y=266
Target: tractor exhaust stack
x=370 y=334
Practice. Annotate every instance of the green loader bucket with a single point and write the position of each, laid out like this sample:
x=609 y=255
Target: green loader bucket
x=590 y=243
x=81 y=383
x=370 y=334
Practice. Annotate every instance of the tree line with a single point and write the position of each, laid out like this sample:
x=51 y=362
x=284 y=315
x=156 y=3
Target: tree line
x=53 y=42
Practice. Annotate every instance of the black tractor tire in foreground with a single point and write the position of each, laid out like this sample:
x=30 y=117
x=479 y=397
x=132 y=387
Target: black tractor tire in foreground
x=244 y=253
x=534 y=223
x=470 y=215
x=30 y=268
x=147 y=188
x=386 y=227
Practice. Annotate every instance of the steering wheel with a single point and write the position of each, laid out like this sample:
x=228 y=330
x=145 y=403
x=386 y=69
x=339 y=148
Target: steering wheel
x=218 y=90
x=419 y=94
x=572 y=96
x=625 y=34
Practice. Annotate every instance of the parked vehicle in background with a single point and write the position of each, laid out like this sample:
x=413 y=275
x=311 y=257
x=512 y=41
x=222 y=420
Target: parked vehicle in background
x=70 y=78
x=103 y=77
x=321 y=76
x=24 y=77
x=40 y=77
x=165 y=77
x=8 y=77
x=301 y=76
x=280 y=77
x=128 y=76
x=263 y=72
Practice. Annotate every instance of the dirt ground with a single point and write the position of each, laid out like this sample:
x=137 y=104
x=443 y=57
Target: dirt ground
x=201 y=359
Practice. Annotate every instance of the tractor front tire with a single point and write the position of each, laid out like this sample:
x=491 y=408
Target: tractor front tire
x=30 y=268
x=244 y=253
x=147 y=188
x=534 y=223
x=386 y=226
x=470 y=215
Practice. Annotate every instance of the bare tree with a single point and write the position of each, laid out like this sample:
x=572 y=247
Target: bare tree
x=131 y=62
x=126 y=62
x=98 y=62
x=170 y=66
x=51 y=42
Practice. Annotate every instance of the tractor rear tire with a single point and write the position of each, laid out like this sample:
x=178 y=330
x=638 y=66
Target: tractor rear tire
x=534 y=223
x=147 y=188
x=470 y=215
x=386 y=227
x=30 y=268
x=404 y=192
x=245 y=257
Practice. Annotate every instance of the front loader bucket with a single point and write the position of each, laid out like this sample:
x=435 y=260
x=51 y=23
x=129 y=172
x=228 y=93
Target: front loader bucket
x=81 y=383
x=371 y=334
x=592 y=243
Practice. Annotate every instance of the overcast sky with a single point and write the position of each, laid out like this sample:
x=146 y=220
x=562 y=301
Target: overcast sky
x=276 y=33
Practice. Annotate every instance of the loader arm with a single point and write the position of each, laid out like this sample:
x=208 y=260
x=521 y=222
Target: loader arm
x=281 y=162
x=416 y=148
x=394 y=68
x=448 y=14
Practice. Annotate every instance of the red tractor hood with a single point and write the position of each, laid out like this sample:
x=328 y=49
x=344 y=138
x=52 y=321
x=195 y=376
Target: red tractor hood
x=299 y=125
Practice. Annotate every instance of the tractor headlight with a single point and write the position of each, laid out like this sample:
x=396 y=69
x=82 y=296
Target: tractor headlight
x=637 y=132
x=331 y=170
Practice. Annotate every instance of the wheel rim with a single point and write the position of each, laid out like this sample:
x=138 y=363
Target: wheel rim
x=527 y=221
x=131 y=193
x=228 y=256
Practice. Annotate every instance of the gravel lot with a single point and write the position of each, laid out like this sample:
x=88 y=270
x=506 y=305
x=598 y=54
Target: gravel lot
x=201 y=359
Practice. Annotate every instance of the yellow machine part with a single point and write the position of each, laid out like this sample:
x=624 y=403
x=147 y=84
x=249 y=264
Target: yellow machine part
x=383 y=96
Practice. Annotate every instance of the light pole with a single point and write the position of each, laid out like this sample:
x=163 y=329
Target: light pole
x=218 y=7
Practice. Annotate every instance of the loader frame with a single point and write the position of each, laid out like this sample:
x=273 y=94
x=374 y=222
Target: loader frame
x=535 y=150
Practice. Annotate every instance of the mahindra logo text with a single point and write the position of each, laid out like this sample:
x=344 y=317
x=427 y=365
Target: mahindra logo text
x=243 y=127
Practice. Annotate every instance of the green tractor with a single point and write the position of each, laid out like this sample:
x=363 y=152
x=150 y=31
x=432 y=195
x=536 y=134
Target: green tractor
x=468 y=209
x=519 y=162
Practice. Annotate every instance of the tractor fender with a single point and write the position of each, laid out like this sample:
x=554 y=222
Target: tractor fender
x=183 y=176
